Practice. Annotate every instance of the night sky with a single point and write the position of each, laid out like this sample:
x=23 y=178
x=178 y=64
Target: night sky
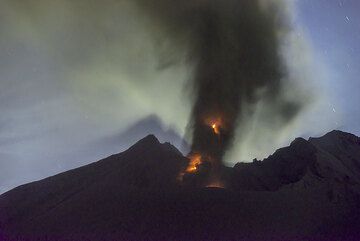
x=333 y=27
x=74 y=73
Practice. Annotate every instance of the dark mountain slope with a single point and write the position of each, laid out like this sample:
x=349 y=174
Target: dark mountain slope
x=287 y=165
x=147 y=164
x=307 y=191
x=321 y=176
x=89 y=151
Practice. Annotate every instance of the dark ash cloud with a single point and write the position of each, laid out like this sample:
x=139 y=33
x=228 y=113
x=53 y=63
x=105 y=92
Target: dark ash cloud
x=234 y=47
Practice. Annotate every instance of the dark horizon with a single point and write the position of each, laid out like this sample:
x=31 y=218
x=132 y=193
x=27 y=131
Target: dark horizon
x=75 y=75
x=309 y=190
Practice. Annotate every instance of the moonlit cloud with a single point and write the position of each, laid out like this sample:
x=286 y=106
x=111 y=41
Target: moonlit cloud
x=75 y=72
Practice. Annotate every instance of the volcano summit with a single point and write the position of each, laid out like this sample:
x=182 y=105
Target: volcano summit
x=309 y=190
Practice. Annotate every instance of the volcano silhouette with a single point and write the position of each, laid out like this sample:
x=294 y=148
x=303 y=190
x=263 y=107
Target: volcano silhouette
x=309 y=190
x=151 y=124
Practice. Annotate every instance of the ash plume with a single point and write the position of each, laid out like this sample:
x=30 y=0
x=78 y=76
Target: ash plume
x=234 y=46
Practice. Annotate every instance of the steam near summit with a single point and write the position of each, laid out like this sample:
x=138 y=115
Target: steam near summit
x=234 y=47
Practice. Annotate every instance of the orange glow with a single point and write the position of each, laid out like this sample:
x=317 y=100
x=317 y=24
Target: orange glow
x=216 y=128
x=216 y=124
x=216 y=184
x=195 y=161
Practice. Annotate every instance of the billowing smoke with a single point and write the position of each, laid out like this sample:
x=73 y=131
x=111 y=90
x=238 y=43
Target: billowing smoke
x=234 y=46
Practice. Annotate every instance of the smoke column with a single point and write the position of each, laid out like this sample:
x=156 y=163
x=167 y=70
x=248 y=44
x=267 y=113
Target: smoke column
x=235 y=48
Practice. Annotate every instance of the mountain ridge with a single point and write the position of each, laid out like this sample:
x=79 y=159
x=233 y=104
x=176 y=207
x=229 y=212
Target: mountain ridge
x=305 y=190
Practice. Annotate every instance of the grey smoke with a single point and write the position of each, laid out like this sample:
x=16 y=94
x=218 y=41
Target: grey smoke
x=235 y=50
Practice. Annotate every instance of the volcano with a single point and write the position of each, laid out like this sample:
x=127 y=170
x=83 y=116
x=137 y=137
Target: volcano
x=309 y=190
